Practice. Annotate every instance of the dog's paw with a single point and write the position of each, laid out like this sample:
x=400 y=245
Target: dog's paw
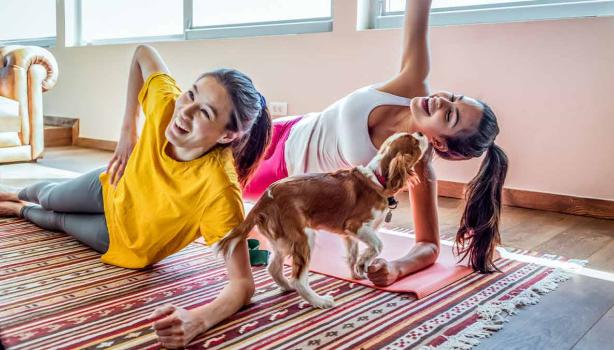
x=323 y=302
x=361 y=269
x=354 y=273
x=357 y=274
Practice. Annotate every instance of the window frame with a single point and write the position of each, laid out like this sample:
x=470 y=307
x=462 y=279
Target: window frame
x=42 y=42
x=496 y=13
x=190 y=32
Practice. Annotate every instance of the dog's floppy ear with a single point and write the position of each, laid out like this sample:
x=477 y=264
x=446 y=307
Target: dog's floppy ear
x=412 y=178
x=413 y=159
x=400 y=170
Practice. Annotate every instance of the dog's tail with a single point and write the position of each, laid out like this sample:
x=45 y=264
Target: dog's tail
x=228 y=244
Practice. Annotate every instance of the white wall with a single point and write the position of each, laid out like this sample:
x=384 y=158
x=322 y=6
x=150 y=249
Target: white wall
x=551 y=84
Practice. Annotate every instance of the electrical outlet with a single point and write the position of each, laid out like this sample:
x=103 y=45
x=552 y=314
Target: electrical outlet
x=278 y=109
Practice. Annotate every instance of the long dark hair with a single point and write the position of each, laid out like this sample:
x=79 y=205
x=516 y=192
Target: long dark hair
x=250 y=116
x=478 y=233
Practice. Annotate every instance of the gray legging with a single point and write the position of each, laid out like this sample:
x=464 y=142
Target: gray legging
x=74 y=207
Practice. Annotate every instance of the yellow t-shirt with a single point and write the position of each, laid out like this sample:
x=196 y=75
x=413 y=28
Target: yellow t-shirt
x=160 y=205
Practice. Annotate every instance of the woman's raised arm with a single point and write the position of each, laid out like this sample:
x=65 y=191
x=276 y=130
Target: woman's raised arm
x=415 y=61
x=145 y=62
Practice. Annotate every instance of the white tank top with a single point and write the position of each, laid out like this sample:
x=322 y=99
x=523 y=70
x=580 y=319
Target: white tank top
x=338 y=137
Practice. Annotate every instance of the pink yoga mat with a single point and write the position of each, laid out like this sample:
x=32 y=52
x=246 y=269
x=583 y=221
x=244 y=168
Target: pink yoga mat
x=329 y=254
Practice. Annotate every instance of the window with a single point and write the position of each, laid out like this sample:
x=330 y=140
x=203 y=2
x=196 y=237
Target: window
x=93 y=22
x=120 y=21
x=389 y=13
x=220 y=13
x=214 y=18
x=27 y=22
x=116 y=21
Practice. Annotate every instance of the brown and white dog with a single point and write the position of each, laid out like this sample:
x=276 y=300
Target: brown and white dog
x=351 y=203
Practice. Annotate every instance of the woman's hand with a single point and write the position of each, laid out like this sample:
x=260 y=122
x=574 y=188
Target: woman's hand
x=382 y=273
x=177 y=327
x=117 y=165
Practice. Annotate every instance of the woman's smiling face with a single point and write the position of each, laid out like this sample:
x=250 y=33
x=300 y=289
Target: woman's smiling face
x=201 y=116
x=443 y=115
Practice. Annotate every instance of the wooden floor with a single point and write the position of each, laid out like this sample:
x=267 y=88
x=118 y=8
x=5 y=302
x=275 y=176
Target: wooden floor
x=75 y=158
x=579 y=315
x=561 y=234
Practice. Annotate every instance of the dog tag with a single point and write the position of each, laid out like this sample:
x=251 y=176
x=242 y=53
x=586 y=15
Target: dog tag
x=388 y=216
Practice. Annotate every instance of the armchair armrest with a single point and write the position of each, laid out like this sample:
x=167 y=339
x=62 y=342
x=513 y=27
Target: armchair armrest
x=26 y=56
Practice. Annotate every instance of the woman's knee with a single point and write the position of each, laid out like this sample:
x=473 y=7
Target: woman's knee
x=32 y=193
x=44 y=194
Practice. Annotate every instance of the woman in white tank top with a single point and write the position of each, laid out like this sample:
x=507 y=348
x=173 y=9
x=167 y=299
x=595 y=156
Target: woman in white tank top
x=349 y=132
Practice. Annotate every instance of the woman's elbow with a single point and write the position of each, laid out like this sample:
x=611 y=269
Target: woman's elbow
x=431 y=252
x=145 y=55
x=142 y=49
x=248 y=288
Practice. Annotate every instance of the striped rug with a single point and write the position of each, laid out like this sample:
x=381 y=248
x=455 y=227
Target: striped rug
x=55 y=294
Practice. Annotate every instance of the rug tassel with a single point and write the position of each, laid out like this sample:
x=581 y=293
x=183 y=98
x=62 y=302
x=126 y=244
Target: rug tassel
x=493 y=315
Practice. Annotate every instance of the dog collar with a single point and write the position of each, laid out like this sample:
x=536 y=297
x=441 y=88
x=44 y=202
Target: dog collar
x=392 y=203
x=380 y=178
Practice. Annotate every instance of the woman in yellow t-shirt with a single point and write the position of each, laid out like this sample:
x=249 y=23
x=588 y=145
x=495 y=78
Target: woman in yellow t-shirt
x=179 y=180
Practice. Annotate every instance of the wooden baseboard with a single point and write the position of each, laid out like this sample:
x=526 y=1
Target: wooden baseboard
x=57 y=136
x=64 y=131
x=97 y=144
x=596 y=208
x=75 y=133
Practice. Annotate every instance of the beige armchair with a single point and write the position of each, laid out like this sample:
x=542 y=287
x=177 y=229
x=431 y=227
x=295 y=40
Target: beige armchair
x=25 y=73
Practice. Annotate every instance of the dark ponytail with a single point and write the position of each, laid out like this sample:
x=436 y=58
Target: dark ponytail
x=478 y=233
x=249 y=116
x=249 y=149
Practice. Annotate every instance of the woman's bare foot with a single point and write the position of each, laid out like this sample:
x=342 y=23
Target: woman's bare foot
x=8 y=196
x=9 y=208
